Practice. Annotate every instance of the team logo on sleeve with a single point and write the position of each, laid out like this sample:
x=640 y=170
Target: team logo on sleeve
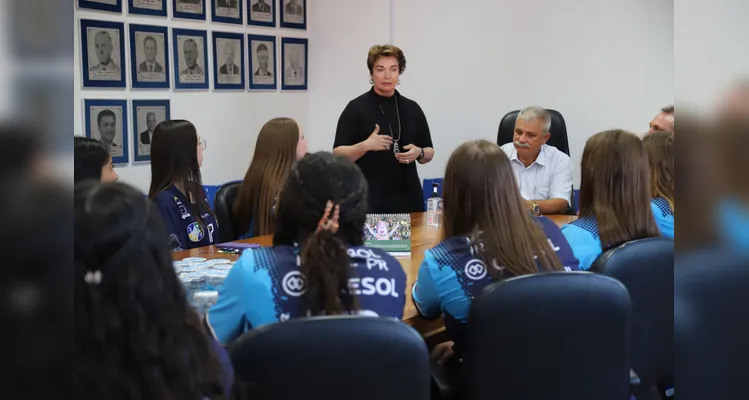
x=294 y=284
x=475 y=269
x=195 y=232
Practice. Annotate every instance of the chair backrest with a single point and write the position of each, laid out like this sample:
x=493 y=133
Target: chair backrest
x=223 y=206
x=646 y=268
x=549 y=336
x=711 y=325
x=332 y=358
x=558 y=130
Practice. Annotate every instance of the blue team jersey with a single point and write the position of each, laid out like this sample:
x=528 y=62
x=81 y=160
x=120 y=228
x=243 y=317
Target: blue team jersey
x=184 y=231
x=733 y=223
x=664 y=217
x=582 y=235
x=451 y=275
x=266 y=286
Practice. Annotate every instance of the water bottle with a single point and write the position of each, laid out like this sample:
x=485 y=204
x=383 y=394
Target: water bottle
x=434 y=208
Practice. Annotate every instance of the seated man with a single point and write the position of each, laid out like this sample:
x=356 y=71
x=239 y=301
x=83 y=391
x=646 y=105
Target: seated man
x=664 y=121
x=543 y=173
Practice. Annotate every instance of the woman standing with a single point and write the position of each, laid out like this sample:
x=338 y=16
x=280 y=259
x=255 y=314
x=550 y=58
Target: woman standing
x=386 y=134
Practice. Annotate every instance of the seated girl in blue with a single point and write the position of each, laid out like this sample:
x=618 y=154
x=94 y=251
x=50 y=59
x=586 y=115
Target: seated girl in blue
x=659 y=147
x=615 y=199
x=733 y=223
x=279 y=144
x=490 y=236
x=177 y=188
x=318 y=264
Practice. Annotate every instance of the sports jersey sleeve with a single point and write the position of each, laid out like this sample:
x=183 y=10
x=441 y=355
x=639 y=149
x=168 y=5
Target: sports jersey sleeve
x=584 y=246
x=450 y=295
x=665 y=221
x=170 y=214
x=245 y=301
x=424 y=292
x=559 y=244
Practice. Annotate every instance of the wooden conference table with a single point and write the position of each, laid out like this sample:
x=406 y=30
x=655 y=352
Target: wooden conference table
x=422 y=238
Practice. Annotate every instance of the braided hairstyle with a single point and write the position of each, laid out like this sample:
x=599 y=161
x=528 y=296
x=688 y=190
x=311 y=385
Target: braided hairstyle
x=314 y=181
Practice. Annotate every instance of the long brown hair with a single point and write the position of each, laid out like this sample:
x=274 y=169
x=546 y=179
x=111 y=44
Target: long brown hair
x=615 y=187
x=659 y=147
x=315 y=180
x=482 y=197
x=275 y=153
x=174 y=161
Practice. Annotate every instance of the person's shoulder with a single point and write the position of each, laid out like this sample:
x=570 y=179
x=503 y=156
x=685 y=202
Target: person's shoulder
x=507 y=148
x=360 y=99
x=547 y=224
x=448 y=250
x=165 y=197
x=554 y=153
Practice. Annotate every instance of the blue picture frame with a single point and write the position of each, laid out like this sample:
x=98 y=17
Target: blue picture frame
x=94 y=5
x=176 y=33
x=91 y=73
x=123 y=157
x=132 y=9
x=286 y=83
x=188 y=15
x=267 y=24
x=217 y=68
x=285 y=23
x=135 y=82
x=228 y=20
x=138 y=156
x=273 y=67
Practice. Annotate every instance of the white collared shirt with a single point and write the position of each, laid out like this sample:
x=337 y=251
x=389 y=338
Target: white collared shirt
x=549 y=177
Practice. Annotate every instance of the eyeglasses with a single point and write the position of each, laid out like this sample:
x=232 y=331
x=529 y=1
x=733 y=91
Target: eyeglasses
x=203 y=143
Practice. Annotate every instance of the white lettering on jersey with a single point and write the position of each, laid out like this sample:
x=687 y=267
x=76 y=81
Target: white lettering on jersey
x=369 y=286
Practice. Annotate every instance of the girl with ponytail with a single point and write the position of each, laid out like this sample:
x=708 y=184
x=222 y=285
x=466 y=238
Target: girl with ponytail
x=318 y=264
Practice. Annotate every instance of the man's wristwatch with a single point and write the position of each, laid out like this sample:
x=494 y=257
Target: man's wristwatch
x=535 y=208
x=420 y=155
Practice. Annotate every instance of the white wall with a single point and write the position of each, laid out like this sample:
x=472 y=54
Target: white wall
x=228 y=120
x=603 y=64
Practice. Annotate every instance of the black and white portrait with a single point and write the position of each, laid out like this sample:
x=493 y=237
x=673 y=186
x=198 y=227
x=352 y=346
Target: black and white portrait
x=293 y=14
x=106 y=126
x=100 y=5
x=190 y=9
x=263 y=60
x=294 y=64
x=227 y=8
x=150 y=54
x=104 y=62
x=146 y=115
x=261 y=13
x=229 y=52
x=191 y=59
x=147 y=7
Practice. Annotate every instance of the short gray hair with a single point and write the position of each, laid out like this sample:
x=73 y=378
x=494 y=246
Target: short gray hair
x=529 y=113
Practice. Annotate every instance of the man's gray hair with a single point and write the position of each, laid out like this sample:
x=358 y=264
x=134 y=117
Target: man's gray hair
x=529 y=113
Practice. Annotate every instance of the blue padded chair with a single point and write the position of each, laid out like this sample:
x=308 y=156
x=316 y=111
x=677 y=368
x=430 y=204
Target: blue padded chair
x=334 y=358
x=555 y=335
x=646 y=268
x=711 y=325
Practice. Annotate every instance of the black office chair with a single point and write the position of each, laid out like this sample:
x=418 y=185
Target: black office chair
x=711 y=325
x=334 y=358
x=646 y=268
x=556 y=335
x=558 y=130
x=224 y=202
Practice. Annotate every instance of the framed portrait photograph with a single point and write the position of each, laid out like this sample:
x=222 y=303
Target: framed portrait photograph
x=190 y=58
x=262 y=51
x=146 y=115
x=101 y=5
x=228 y=61
x=106 y=121
x=157 y=8
x=102 y=53
x=293 y=14
x=189 y=9
x=149 y=56
x=227 y=11
x=261 y=13
x=294 y=64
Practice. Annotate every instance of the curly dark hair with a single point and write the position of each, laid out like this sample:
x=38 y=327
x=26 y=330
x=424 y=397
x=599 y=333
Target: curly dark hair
x=314 y=180
x=136 y=335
